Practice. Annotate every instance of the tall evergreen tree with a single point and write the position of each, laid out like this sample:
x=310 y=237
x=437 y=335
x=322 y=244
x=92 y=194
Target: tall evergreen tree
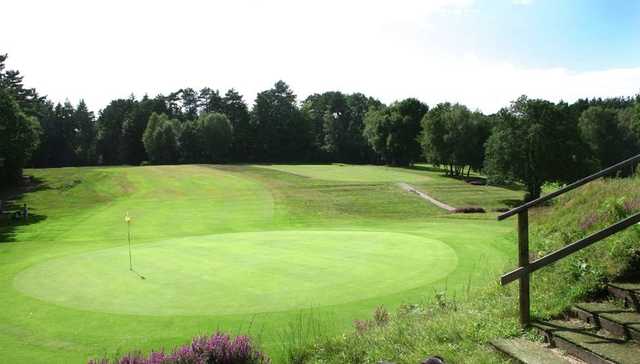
x=19 y=135
x=236 y=110
x=281 y=131
x=190 y=103
x=84 y=121
x=110 y=146
x=27 y=98
x=66 y=138
x=209 y=100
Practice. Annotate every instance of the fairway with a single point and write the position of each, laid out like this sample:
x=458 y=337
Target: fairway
x=244 y=249
x=352 y=173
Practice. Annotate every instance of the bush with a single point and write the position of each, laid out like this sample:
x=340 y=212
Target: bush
x=217 y=349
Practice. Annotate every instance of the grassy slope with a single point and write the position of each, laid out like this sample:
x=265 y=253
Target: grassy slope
x=80 y=210
x=454 y=192
x=459 y=328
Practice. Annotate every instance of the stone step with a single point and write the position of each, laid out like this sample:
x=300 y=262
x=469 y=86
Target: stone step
x=529 y=352
x=619 y=321
x=628 y=292
x=588 y=343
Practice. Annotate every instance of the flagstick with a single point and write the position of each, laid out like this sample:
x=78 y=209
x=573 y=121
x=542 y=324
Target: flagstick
x=129 y=236
x=128 y=220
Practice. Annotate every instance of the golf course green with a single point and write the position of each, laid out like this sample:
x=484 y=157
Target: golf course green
x=256 y=269
x=244 y=249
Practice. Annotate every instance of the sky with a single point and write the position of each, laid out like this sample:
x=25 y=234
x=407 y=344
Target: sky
x=477 y=52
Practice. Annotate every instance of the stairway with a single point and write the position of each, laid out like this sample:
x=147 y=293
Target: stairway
x=602 y=332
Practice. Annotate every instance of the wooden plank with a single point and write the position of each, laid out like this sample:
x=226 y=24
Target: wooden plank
x=527 y=352
x=569 y=249
x=568 y=188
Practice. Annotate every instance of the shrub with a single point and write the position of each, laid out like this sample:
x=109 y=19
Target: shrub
x=470 y=210
x=216 y=349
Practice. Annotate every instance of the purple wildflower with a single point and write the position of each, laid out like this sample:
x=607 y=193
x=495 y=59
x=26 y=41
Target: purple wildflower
x=215 y=349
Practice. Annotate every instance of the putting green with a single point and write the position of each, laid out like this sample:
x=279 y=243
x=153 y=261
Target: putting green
x=240 y=272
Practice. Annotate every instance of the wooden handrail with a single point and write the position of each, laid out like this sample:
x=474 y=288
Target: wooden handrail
x=570 y=249
x=568 y=188
x=525 y=267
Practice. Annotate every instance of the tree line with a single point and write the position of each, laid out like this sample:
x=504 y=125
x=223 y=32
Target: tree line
x=531 y=141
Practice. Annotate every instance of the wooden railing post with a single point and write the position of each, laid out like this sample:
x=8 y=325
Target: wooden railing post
x=523 y=261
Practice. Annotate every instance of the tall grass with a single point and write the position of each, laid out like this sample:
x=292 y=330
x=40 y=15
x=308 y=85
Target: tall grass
x=297 y=338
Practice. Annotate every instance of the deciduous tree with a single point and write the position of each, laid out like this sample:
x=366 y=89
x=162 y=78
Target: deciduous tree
x=534 y=141
x=160 y=139
x=454 y=136
x=393 y=132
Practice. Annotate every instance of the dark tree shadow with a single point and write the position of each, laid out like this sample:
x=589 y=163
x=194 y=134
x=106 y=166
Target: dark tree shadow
x=474 y=180
x=11 y=216
x=424 y=168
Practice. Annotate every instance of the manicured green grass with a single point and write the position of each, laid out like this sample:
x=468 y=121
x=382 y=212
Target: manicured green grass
x=240 y=273
x=245 y=249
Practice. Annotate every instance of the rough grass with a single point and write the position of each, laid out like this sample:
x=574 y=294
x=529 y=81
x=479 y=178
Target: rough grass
x=351 y=173
x=459 y=193
x=460 y=327
x=78 y=212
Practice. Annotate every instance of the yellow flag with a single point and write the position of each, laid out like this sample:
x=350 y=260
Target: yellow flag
x=127 y=219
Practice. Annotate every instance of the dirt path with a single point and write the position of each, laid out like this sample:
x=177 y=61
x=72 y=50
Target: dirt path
x=423 y=195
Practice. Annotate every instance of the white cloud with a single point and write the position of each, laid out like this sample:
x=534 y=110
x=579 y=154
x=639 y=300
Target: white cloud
x=489 y=85
x=522 y=2
x=104 y=50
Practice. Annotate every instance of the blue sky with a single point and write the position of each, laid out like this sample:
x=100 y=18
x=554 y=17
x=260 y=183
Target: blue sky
x=576 y=34
x=483 y=53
